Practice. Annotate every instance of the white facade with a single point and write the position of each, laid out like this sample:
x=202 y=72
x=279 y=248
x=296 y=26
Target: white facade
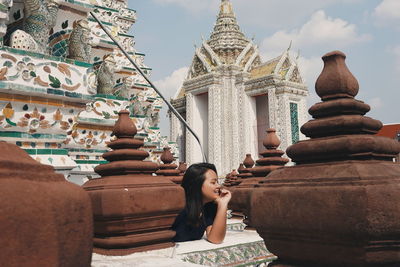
x=230 y=98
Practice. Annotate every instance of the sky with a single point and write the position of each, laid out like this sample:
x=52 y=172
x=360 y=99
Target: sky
x=367 y=31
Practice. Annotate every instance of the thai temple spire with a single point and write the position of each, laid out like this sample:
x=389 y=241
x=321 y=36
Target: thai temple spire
x=227 y=34
x=228 y=79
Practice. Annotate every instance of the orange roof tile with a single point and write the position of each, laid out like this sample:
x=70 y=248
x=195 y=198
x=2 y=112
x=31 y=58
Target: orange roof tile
x=390 y=130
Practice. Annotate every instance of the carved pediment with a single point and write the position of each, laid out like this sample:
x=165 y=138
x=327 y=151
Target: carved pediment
x=197 y=68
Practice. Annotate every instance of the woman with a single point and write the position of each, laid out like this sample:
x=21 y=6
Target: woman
x=206 y=206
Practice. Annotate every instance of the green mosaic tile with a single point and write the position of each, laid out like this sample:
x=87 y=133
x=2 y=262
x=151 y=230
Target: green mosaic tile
x=83 y=64
x=107 y=42
x=73 y=94
x=248 y=254
x=107 y=8
x=111 y=97
x=129 y=68
x=91 y=161
x=30 y=151
x=130 y=9
x=43 y=56
x=11 y=134
x=55 y=92
x=103 y=22
x=294 y=121
x=59 y=152
x=143 y=85
x=87 y=150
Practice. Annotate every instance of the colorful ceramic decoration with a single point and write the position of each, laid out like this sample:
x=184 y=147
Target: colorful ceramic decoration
x=60 y=102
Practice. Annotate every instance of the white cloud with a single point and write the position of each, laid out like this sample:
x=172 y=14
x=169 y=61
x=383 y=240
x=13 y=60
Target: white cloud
x=320 y=30
x=168 y=87
x=170 y=84
x=387 y=11
x=375 y=103
x=273 y=14
x=310 y=69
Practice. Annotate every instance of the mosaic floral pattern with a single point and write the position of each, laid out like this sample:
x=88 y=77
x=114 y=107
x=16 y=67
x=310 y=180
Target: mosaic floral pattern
x=236 y=226
x=250 y=254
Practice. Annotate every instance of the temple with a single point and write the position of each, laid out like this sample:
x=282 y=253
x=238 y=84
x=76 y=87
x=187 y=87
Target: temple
x=231 y=97
x=74 y=109
x=63 y=82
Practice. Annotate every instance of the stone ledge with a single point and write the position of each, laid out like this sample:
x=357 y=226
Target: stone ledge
x=240 y=248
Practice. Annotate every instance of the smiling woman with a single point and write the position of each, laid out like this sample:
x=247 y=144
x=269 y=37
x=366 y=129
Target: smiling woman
x=206 y=206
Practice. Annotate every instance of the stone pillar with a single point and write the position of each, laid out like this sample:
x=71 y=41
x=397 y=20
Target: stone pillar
x=190 y=140
x=169 y=169
x=272 y=160
x=45 y=220
x=339 y=206
x=133 y=210
x=215 y=127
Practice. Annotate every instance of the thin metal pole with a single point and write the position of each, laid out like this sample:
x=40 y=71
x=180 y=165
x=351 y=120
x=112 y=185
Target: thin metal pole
x=171 y=108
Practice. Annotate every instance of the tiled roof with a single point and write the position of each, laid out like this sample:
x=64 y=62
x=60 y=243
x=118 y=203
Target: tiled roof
x=389 y=130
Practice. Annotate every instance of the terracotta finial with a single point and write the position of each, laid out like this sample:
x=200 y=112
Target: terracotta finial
x=248 y=161
x=336 y=80
x=166 y=156
x=344 y=167
x=241 y=168
x=271 y=140
x=244 y=168
x=124 y=127
x=182 y=167
x=138 y=222
x=234 y=173
x=169 y=169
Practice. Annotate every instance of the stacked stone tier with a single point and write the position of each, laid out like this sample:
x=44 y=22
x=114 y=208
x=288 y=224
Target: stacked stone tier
x=137 y=223
x=343 y=193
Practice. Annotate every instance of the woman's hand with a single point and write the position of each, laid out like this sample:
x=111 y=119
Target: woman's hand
x=224 y=197
x=216 y=232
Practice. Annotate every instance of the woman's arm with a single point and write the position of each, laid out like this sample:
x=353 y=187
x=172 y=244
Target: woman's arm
x=216 y=232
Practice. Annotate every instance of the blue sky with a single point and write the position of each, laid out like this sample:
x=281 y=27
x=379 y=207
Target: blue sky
x=367 y=31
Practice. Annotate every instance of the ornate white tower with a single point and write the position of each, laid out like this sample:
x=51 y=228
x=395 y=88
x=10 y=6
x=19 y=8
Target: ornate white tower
x=230 y=98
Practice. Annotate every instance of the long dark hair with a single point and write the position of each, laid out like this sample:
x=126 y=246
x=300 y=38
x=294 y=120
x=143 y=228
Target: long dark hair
x=192 y=183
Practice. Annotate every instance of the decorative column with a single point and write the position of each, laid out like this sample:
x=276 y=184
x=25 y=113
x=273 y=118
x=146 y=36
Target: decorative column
x=339 y=206
x=133 y=210
x=190 y=140
x=169 y=169
x=45 y=220
x=272 y=160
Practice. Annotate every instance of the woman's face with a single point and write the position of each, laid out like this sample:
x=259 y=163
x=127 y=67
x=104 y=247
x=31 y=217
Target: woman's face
x=210 y=189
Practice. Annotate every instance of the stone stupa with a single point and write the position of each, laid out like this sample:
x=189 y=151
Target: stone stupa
x=133 y=210
x=340 y=204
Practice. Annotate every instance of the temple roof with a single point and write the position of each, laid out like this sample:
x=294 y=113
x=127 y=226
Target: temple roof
x=266 y=68
x=226 y=33
x=390 y=130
